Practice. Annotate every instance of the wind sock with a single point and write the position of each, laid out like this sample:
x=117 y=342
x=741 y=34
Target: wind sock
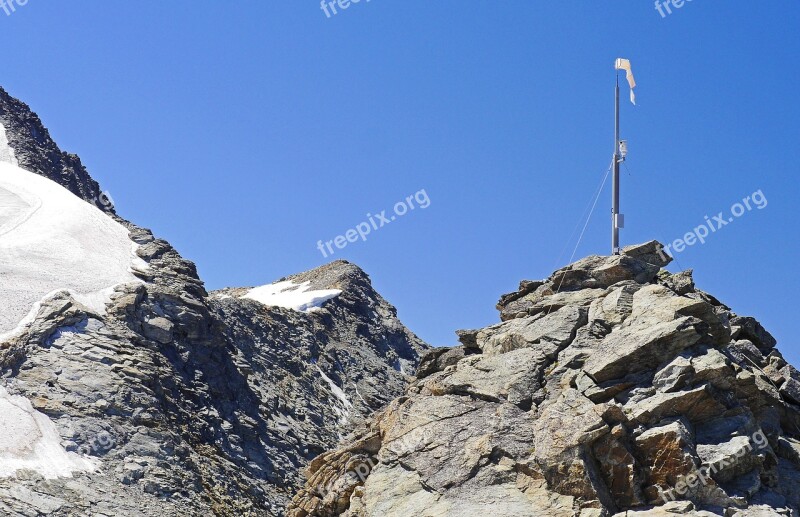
x=624 y=64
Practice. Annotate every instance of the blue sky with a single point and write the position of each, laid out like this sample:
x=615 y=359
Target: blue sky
x=245 y=132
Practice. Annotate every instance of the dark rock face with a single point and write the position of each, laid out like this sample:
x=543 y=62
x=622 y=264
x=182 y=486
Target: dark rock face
x=611 y=388
x=352 y=341
x=190 y=403
x=37 y=152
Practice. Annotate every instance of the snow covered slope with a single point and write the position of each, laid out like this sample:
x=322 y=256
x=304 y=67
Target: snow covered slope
x=299 y=297
x=50 y=240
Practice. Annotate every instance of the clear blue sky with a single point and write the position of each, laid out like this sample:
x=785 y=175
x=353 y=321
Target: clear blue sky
x=244 y=132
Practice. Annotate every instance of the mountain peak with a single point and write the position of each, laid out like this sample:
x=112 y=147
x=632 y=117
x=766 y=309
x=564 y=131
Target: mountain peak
x=638 y=263
x=27 y=143
x=613 y=387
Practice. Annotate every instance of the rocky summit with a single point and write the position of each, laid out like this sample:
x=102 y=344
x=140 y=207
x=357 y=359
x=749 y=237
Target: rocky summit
x=146 y=395
x=612 y=388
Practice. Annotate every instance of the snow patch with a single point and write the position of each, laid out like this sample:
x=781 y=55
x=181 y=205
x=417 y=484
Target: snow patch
x=292 y=296
x=6 y=152
x=30 y=441
x=51 y=241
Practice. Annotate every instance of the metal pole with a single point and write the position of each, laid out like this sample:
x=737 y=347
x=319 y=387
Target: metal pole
x=615 y=186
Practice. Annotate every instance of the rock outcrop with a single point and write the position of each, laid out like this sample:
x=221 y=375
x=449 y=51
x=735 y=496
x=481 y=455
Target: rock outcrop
x=612 y=388
x=175 y=402
x=36 y=151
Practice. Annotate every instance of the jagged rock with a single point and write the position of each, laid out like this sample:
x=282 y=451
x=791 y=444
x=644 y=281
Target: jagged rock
x=744 y=352
x=36 y=151
x=188 y=403
x=651 y=252
x=515 y=377
x=787 y=371
x=579 y=284
x=791 y=390
x=755 y=387
x=547 y=302
x=660 y=326
x=437 y=359
x=633 y=349
x=563 y=434
x=668 y=450
x=525 y=287
x=608 y=387
x=789 y=448
x=619 y=468
x=730 y=459
x=749 y=328
x=469 y=339
x=681 y=283
x=696 y=404
x=546 y=333
x=713 y=367
x=674 y=376
x=602 y=272
x=616 y=306
x=158 y=329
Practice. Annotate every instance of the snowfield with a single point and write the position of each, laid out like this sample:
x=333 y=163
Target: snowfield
x=50 y=240
x=30 y=441
x=292 y=296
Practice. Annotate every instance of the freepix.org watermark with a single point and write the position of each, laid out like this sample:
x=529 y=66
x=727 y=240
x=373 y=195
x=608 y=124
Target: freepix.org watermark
x=333 y=7
x=712 y=225
x=374 y=223
x=664 y=7
x=10 y=6
x=103 y=201
x=701 y=476
x=411 y=442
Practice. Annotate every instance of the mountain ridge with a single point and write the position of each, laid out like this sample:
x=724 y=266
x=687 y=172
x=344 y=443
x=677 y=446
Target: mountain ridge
x=36 y=151
x=182 y=403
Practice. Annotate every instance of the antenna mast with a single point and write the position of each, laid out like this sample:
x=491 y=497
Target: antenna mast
x=616 y=217
x=620 y=152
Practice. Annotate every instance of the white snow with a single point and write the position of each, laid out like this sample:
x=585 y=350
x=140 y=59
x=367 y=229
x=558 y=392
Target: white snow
x=292 y=296
x=6 y=152
x=343 y=408
x=30 y=441
x=50 y=241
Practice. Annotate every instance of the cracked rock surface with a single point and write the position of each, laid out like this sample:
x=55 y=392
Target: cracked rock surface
x=611 y=388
